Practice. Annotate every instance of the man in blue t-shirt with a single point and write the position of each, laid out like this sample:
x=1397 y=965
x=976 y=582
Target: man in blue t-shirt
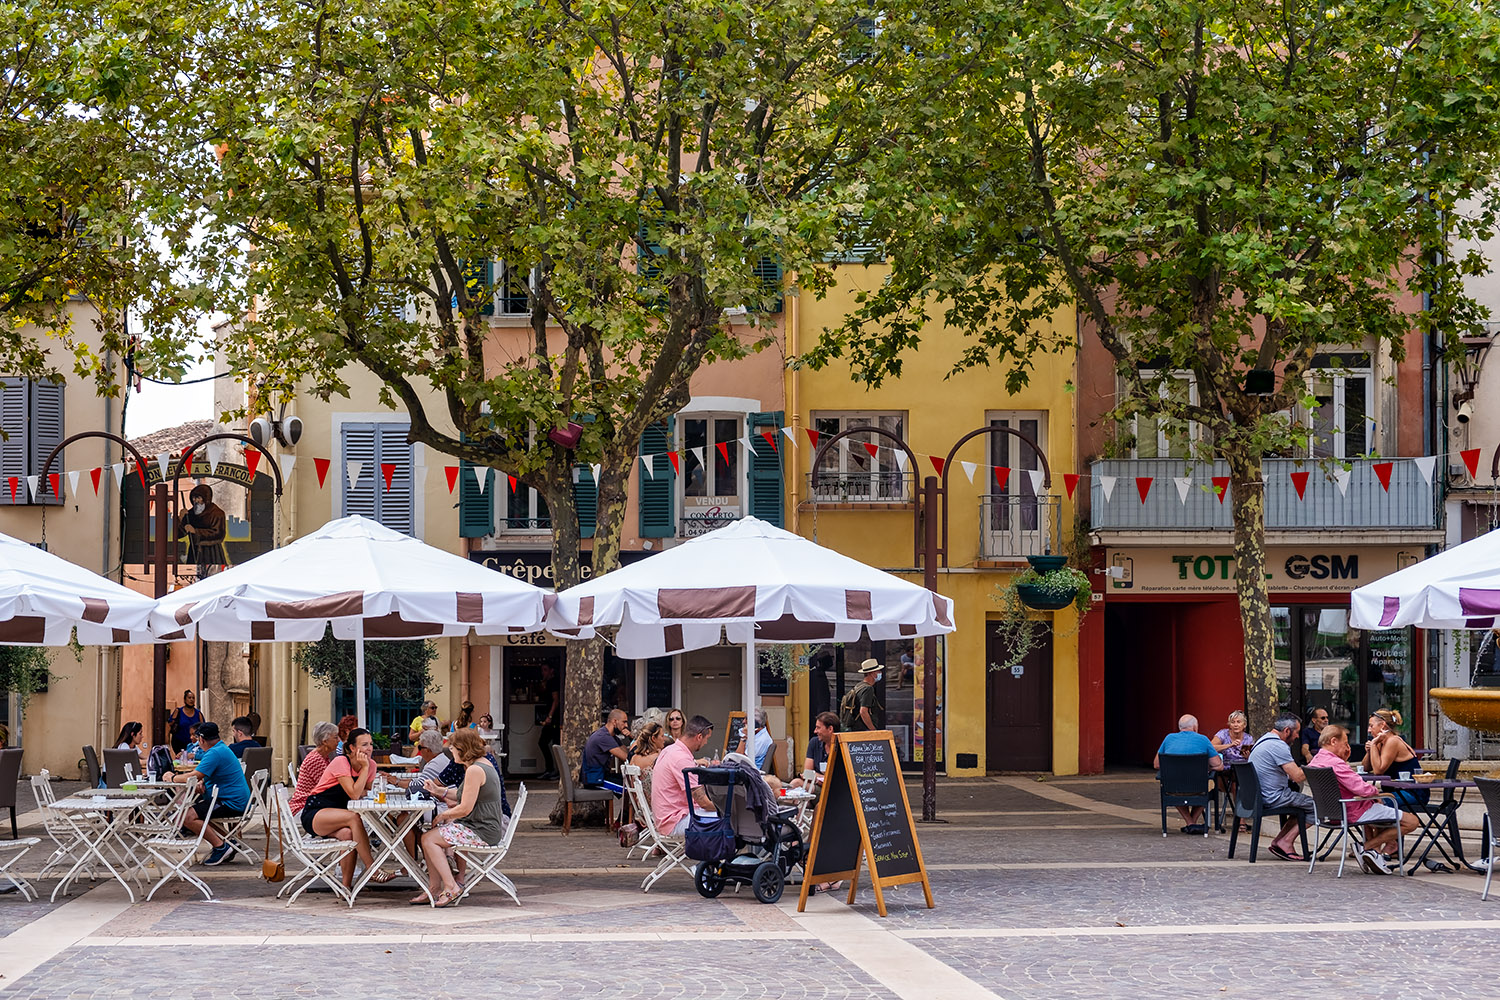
x=1187 y=740
x=219 y=768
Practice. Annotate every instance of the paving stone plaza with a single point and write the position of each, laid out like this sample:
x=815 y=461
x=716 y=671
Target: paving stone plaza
x=1044 y=889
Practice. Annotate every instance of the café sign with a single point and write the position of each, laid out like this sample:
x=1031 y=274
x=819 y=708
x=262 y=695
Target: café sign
x=1289 y=568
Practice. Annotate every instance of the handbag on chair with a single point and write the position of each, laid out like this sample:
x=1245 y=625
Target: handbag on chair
x=274 y=871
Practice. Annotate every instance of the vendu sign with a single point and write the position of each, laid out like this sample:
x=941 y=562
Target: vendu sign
x=1289 y=569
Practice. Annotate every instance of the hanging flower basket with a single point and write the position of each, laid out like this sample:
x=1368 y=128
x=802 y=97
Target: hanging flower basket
x=1042 y=598
x=1054 y=589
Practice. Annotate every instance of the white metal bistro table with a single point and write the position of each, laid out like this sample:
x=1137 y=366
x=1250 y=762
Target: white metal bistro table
x=102 y=838
x=388 y=823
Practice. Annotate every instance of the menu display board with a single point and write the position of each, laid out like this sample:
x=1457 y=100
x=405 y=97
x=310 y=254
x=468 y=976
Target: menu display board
x=734 y=732
x=863 y=813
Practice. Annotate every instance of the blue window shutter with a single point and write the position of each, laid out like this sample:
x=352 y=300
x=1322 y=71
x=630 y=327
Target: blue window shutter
x=479 y=282
x=585 y=500
x=657 y=490
x=768 y=273
x=767 y=491
x=476 y=511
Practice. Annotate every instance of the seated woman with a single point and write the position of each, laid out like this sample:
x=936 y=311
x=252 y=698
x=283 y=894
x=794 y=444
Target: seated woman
x=133 y=737
x=819 y=748
x=1387 y=753
x=465 y=718
x=476 y=802
x=326 y=812
x=1333 y=753
x=650 y=738
x=674 y=724
x=1232 y=742
x=325 y=745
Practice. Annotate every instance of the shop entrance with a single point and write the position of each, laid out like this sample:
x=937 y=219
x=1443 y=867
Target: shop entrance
x=711 y=686
x=1018 y=719
x=1322 y=662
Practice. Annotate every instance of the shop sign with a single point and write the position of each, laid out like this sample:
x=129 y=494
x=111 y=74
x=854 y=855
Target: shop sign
x=700 y=515
x=1289 y=569
x=535 y=565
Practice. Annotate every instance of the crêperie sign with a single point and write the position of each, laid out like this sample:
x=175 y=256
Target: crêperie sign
x=863 y=813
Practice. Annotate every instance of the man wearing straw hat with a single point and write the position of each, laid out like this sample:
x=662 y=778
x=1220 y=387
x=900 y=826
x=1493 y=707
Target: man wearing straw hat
x=861 y=711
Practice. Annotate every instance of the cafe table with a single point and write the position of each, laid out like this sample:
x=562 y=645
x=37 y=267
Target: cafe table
x=1437 y=828
x=388 y=823
x=99 y=819
x=800 y=802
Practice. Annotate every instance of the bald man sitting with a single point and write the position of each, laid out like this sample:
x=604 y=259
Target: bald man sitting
x=604 y=752
x=1187 y=740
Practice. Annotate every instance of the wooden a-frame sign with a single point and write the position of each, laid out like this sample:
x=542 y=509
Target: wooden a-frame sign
x=734 y=731
x=863 y=813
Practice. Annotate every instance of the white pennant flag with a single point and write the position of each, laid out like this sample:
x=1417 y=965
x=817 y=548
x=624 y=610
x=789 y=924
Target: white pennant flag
x=969 y=468
x=595 y=470
x=164 y=461
x=1425 y=466
x=481 y=476
x=1107 y=484
x=698 y=452
x=119 y=470
x=844 y=445
x=73 y=482
x=1037 y=479
x=647 y=462
x=749 y=448
x=791 y=435
x=901 y=459
x=1183 y=484
x=31 y=484
x=288 y=462
x=352 y=471
x=215 y=450
x=1341 y=479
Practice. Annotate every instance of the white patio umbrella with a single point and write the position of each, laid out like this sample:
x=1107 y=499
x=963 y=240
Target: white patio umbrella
x=44 y=597
x=754 y=583
x=1459 y=588
x=365 y=580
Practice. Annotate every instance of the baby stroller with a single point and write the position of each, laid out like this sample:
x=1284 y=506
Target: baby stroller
x=735 y=847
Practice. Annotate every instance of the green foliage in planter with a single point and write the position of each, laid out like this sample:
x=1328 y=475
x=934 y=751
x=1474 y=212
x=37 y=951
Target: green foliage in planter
x=1063 y=582
x=24 y=671
x=1019 y=629
x=394 y=666
x=382 y=741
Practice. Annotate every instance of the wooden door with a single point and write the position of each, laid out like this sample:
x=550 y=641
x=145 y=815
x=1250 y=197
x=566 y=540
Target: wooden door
x=1018 y=718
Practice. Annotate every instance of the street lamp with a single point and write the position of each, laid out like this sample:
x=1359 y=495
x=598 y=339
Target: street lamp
x=926 y=551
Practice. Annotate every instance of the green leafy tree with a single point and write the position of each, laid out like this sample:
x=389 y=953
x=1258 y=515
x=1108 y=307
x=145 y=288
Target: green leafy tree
x=1220 y=187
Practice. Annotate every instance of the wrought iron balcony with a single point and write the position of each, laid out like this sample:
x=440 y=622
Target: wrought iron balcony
x=860 y=487
x=1014 y=526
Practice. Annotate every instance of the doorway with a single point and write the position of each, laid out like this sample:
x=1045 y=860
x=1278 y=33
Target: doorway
x=528 y=699
x=1018 y=716
x=711 y=685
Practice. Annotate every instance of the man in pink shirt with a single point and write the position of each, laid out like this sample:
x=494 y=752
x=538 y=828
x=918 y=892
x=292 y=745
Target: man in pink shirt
x=1333 y=752
x=669 y=801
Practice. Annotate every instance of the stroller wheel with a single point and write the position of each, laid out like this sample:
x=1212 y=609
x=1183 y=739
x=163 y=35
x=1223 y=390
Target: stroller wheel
x=767 y=882
x=709 y=878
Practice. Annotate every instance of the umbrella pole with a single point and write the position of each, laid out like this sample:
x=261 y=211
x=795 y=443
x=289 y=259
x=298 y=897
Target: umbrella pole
x=359 y=681
x=748 y=683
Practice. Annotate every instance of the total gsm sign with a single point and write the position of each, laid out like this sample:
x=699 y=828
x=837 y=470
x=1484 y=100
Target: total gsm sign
x=1289 y=569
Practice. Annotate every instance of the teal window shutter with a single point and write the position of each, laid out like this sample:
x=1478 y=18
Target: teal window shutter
x=767 y=491
x=768 y=274
x=476 y=510
x=657 y=489
x=585 y=500
x=479 y=282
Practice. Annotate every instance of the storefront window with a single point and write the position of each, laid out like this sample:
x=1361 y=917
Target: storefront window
x=833 y=670
x=1322 y=662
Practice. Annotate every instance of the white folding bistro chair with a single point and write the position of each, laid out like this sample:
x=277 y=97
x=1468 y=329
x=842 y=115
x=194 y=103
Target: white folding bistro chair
x=236 y=829
x=484 y=862
x=177 y=854
x=320 y=856
x=12 y=851
x=63 y=834
x=631 y=775
x=673 y=850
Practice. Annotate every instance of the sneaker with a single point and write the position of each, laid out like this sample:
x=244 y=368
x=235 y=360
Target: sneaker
x=1376 y=863
x=1367 y=863
x=219 y=855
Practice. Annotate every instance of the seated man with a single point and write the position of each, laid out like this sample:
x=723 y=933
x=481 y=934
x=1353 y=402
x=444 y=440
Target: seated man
x=219 y=769
x=1187 y=740
x=244 y=736
x=433 y=758
x=1272 y=759
x=759 y=745
x=603 y=752
x=1379 y=818
x=669 y=797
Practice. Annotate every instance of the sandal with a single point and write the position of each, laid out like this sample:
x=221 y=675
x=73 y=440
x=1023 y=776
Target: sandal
x=447 y=898
x=383 y=876
x=1285 y=855
x=421 y=899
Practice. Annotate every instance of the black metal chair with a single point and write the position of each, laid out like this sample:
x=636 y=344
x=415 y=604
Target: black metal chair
x=1185 y=781
x=115 y=762
x=257 y=759
x=1249 y=805
x=95 y=773
x=1489 y=790
x=573 y=793
x=10 y=779
x=1436 y=815
x=1331 y=817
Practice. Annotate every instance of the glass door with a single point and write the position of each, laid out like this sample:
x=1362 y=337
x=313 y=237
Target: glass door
x=1323 y=662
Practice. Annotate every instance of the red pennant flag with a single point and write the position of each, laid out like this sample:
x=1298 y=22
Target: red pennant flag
x=1221 y=486
x=770 y=437
x=388 y=470
x=56 y=479
x=676 y=466
x=1143 y=486
x=512 y=482
x=140 y=470
x=1002 y=476
x=1383 y=473
x=812 y=436
x=452 y=473
x=94 y=475
x=937 y=463
x=1299 y=480
x=14 y=482
x=322 y=464
x=186 y=462
x=1070 y=480
x=1471 y=460
x=724 y=451
x=873 y=449
x=252 y=460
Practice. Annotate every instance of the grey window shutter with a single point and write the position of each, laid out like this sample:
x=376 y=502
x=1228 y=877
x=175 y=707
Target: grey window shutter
x=14 y=414
x=359 y=446
x=767 y=490
x=395 y=501
x=46 y=434
x=657 y=488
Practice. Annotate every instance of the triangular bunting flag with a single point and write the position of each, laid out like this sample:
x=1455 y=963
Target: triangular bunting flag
x=844 y=446
x=676 y=463
x=512 y=481
x=56 y=480
x=1070 y=482
x=1107 y=484
x=31 y=486
x=252 y=461
x=94 y=475
x=1038 y=480
x=1383 y=473
x=1341 y=480
x=597 y=466
x=646 y=463
x=164 y=462
x=937 y=463
x=351 y=472
x=288 y=463
x=451 y=471
x=812 y=436
x=723 y=453
x=214 y=451
x=791 y=435
x=73 y=481
x=1221 y=486
x=749 y=447
x=1425 y=465
x=481 y=477
x=320 y=465
x=902 y=459
x=1299 y=480
x=388 y=472
x=119 y=470
x=1143 y=486
x=770 y=437
x=1471 y=461
x=698 y=454
x=874 y=450
x=1183 y=484
x=1002 y=476
x=969 y=468
x=14 y=482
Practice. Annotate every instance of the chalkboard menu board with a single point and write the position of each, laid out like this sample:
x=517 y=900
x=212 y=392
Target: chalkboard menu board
x=863 y=812
x=734 y=732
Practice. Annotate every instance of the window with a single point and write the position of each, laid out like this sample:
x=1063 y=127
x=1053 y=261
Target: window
x=1017 y=519
x=379 y=447
x=1158 y=435
x=31 y=417
x=512 y=290
x=525 y=510
x=852 y=474
x=1339 y=425
x=711 y=486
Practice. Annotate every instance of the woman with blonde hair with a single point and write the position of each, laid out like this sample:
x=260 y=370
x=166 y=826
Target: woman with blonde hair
x=1232 y=741
x=675 y=724
x=473 y=817
x=1387 y=753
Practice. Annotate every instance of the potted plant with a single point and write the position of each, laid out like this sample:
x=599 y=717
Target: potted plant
x=1021 y=625
x=1054 y=589
x=382 y=748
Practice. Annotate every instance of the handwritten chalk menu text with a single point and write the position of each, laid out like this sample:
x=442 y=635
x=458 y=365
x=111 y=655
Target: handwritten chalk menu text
x=734 y=732
x=863 y=812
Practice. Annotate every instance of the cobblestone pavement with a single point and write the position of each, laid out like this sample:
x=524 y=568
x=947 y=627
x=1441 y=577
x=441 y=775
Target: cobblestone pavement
x=1046 y=889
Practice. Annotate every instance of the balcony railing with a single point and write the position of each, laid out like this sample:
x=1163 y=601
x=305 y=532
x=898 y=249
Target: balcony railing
x=859 y=487
x=1410 y=502
x=1014 y=526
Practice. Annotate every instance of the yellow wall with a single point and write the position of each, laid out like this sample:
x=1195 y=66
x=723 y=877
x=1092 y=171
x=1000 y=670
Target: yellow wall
x=939 y=410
